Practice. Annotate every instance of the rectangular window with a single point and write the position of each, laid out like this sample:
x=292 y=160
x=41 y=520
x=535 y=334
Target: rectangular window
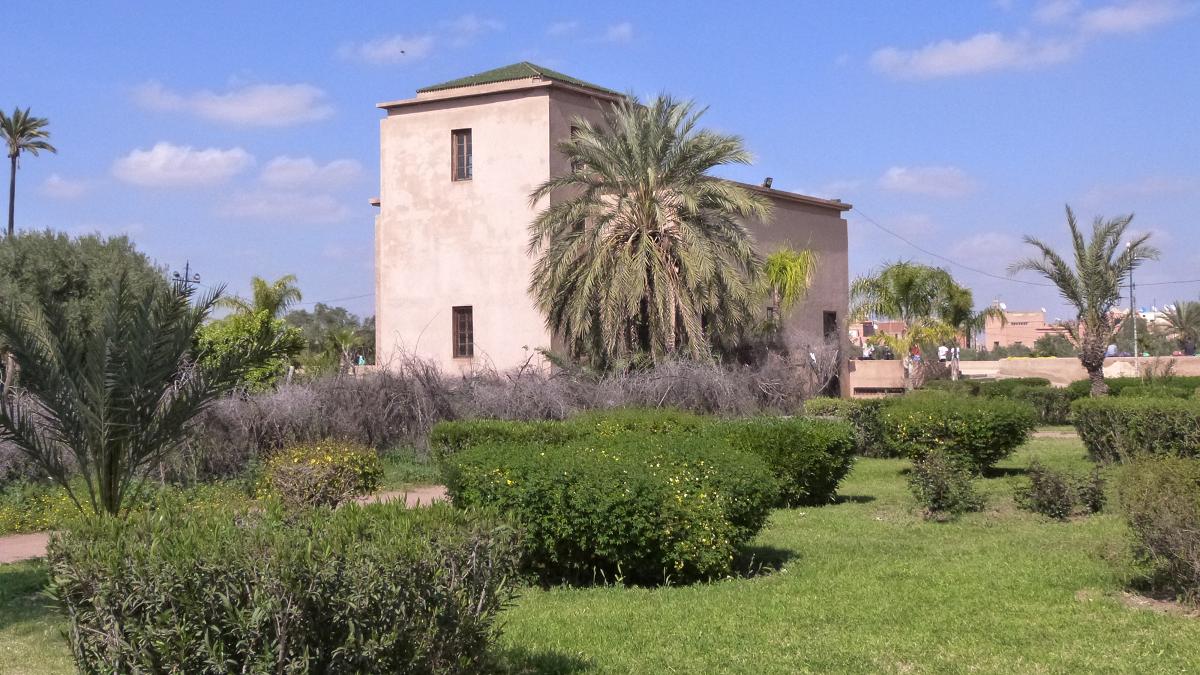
x=460 y=155
x=831 y=329
x=464 y=333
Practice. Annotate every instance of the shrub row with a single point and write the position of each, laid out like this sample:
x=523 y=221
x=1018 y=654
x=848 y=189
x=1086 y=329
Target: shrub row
x=374 y=589
x=626 y=507
x=1052 y=404
x=862 y=413
x=976 y=432
x=1117 y=429
x=809 y=457
x=1173 y=386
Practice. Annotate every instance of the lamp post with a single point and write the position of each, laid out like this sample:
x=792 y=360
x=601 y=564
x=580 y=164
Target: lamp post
x=1133 y=315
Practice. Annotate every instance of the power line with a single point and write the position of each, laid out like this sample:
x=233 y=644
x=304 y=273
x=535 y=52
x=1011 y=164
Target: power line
x=939 y=256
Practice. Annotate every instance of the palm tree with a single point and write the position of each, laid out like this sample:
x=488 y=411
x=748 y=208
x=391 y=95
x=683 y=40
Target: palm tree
x=788 y=274
x=639 y=250
x=108 y=401
x=341 y=343
x=923 y=297
x=22 y=133
x=274 y=298
x=959 y=312
x=1092 y=285
x=1184 y=318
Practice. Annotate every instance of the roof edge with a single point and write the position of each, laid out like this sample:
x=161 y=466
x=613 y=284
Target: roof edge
x=836 y=204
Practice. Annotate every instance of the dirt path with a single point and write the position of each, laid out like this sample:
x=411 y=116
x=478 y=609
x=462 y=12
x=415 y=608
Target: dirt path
x=16 y=547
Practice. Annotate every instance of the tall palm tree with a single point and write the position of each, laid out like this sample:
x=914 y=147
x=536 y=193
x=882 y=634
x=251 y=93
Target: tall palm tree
x=788 y=274
x=21 y=133
x=273 y=297
x=1184 y=318
x=959 y=312
x=639 y=250
x=1093 y=284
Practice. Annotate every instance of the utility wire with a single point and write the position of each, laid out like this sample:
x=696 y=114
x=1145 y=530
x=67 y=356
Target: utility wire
x=939 y=256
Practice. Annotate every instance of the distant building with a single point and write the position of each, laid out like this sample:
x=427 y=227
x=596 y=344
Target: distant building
x=1022 y=328
x=457 y=165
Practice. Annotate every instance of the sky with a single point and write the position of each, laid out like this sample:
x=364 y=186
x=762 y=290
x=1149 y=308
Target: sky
x=242 y=138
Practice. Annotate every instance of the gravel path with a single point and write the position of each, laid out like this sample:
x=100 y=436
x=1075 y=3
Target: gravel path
x=15 y=547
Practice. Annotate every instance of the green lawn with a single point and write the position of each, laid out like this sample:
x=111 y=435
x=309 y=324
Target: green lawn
x=865 y=586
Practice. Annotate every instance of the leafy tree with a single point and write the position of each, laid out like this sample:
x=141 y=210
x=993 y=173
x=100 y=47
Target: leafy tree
x=1092 y=285
x=21 y=133
x=333 y=337
x=1184 y=318
x=639 y=251
x=273 y=342
x=1052 y=344
x=958 y=310
x=1150 y=341
x=111 y=399
x=273 y=297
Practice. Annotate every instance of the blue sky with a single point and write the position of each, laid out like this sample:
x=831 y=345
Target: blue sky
x=243 y=136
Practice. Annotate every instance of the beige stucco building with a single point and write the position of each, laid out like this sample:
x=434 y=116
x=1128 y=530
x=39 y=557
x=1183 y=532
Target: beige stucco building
x=457 y=165
x=1020 y=328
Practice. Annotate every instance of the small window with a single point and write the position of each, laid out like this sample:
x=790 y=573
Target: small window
x=464 y=333
x=460 y=156
x=831 y=329
x=574 y=134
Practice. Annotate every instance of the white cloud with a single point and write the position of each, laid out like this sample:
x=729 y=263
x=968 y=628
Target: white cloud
x=618 y=32
x=976 y=54
x=57 y=187
x=1055 y=11
x=261 y=105
x=168 y=165
x=304 y=172
x=285 y=206
x=991 y=247
x=397 y=49
x=561 y=28
x=933 y=181
x=1131 y=16
x=467 y=27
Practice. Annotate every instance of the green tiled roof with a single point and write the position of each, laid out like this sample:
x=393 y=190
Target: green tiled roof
x=517 y=71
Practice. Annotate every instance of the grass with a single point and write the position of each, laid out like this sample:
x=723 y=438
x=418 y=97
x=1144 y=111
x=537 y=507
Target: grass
x=865 y=585
x=405 y=468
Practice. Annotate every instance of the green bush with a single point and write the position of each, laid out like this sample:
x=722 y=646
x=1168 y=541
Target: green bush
x=1051 y=404
x=626 y=507
x=1005 y=387
x=358 y=589
x=1116 y=385
x=810 y=457
x=321 y=474
x=1059 y=494
x=964 y=387
x=1116 y=429
x=977 y=432
x=1160 y=497
x=943 y=486
x=863 y=413
x=1155 y=391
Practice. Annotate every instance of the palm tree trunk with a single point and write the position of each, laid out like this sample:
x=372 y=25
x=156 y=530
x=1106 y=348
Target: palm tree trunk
x=12 y=194
x=1096 y=375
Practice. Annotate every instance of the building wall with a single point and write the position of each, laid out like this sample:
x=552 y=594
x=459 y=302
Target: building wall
x=443 y=243
x=1022 y=327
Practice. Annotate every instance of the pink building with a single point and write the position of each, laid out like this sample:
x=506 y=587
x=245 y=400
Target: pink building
x=1023 y=328
x=457 y=165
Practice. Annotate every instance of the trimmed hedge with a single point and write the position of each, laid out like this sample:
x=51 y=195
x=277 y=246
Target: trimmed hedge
x=862 y=413
x=1160 y=497
x=1117 y=429
x=809 y=457
x=1005 y=387
x=975 y=431
x=1116 y=385
x=1052 y=404
x=360 y=589
x=626 y=507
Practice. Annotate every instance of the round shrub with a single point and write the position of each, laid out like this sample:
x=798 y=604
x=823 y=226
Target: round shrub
x=1059 y=494
x=1160 y=497
x=978 y=432
x=628 y=507
x=1119 y=428
x=942 y=486
x=810 y=457
x=863 y=413
x=358 y=589
x=322 y=474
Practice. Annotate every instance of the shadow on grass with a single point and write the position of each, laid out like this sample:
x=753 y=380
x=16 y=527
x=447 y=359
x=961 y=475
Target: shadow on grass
x=853 y=499
x=1004 y=471
x=519 y=661
x=756 y=561
x=21 y=597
